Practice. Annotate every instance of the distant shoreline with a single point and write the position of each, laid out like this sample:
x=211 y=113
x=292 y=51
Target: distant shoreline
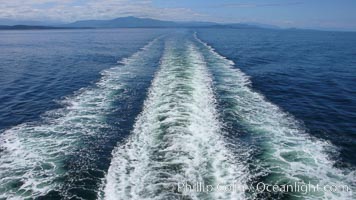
x=136 y=22
x=26 y=27
x=29 y=27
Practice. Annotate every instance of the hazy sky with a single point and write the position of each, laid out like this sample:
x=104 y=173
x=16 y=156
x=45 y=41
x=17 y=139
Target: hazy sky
x=335 y=14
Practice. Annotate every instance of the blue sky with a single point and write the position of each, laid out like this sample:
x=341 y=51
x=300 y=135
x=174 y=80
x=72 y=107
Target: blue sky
x=324 y=14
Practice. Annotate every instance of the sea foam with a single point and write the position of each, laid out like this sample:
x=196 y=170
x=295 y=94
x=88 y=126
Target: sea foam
x=177 y=138
x=287 y=153
x=34 y=156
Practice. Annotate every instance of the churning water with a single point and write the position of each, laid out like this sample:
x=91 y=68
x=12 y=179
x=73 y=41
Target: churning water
x=171 y=116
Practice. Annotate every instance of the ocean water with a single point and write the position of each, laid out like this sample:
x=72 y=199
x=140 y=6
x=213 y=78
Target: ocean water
x=309 y=74
x=145 y=113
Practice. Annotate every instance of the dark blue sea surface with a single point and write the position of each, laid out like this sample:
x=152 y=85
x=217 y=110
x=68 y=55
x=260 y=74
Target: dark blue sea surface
x=38 y=67
x=310 y=74
x=133 y=113
x=68 y=97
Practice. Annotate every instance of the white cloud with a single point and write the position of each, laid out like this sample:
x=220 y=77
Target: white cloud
x=72 y=10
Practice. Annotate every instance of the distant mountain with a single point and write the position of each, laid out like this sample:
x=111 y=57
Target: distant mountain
x=123 y=22
x=25 y=27
x=134 y=22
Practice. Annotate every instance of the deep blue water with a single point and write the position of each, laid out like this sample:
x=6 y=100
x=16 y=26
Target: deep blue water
x=103 y=113
x=310 y=74
x=38 y=67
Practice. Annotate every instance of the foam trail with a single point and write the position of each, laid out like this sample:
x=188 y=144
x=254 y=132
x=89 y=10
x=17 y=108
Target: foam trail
x=177 y=137
x=33 y=155
x=287 y=153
